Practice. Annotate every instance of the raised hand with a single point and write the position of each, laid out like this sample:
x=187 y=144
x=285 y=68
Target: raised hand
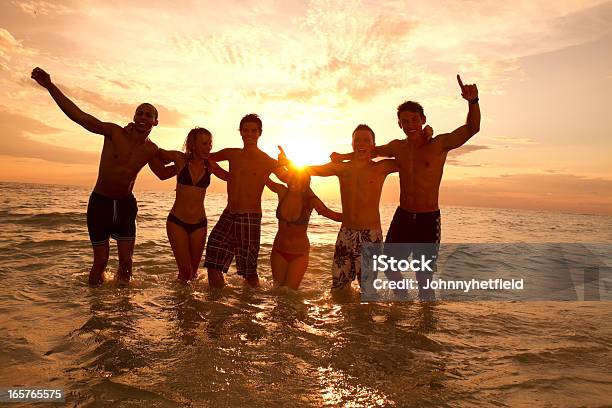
x=129 y=127
x=282 y=157
x=40 y=76
x=468 y=92
x=428 y=132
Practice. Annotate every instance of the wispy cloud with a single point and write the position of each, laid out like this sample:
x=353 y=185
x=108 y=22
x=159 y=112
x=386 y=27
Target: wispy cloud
x=168 y=117
x=509 y=140
x=454 y=154
x=9 y=46
x=36 y=8
x=19 y=139
x=315 y=68
x=559 y=192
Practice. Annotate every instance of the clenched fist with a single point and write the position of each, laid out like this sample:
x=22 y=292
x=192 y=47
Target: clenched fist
x=40 y=76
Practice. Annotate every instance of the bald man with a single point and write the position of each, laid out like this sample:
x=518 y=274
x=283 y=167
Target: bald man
x=112 y=207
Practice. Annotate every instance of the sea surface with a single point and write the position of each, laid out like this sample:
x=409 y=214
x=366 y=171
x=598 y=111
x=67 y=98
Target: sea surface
x=158 y=343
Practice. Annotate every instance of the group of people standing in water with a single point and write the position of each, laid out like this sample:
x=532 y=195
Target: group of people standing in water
x=111 y=212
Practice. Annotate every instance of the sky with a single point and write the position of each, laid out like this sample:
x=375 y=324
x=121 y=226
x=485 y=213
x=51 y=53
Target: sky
x=313 y=70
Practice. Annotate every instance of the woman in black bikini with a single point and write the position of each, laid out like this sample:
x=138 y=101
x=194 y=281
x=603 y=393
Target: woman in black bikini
x=289 y=257
x=186 y=223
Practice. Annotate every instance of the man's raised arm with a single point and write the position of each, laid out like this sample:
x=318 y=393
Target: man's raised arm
x=70 y=109
x=462 y=134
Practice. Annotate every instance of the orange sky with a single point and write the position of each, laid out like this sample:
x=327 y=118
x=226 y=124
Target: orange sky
x=313 y=70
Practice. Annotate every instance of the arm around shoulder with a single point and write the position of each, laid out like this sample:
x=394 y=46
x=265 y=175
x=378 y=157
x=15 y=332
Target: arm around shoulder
x=221 y=155
x=274 y=186
x=324 y=170
x=388 y=166
x=218 y=171
x=167 y=156
x=386 y=150
x=162 y=172
x=326 y=212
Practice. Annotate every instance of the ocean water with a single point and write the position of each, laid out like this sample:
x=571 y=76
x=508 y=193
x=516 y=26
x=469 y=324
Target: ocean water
x=158 y=343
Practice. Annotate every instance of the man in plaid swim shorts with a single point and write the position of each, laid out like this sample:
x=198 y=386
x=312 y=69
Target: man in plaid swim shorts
x=238 y=230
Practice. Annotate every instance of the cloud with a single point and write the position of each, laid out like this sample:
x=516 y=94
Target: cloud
x=8 y=43
x=461 y=151
x=358 y=49
x=509 y=140
x=167 y=117
x=9 y=46
x=557 y=192
x=588 y=24
x=465 y=149
x=334 y=54
x=14 y=141
x=37 y=8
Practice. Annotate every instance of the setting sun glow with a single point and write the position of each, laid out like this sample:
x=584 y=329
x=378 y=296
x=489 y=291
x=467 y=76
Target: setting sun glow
x=306 y=152
x=313 y=71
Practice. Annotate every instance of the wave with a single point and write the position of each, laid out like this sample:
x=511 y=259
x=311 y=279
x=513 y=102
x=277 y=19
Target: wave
x=52 y=219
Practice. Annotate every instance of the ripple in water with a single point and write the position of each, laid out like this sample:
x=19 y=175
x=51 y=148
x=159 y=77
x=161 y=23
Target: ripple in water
x=158 y=343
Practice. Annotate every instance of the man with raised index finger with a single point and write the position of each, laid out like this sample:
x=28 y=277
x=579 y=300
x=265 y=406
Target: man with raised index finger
x=421 y=165
x=421 y=162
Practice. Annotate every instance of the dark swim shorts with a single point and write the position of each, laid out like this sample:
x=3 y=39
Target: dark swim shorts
x=408 y=227
x=110 y=217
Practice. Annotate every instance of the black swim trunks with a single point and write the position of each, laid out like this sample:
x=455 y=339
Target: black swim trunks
x=110 y=217
x=408 y=227
x=417 y=228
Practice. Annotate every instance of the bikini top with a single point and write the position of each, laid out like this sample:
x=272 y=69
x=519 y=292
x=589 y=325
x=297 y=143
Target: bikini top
x=184 y=177
x=307 y=207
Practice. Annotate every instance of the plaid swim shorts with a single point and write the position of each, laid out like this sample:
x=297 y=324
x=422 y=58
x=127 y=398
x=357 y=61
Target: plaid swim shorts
x=234 y=234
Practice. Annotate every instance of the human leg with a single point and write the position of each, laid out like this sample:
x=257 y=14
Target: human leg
x=100 y=253
x=180 y=243
x=247 y=232
x=296 y=270
x=124 y=232
x=428 y=233
x=220 y=250
x=125 y=248
x=197 y=242
x=99 y=224
x=279 y=268
x=343 y=272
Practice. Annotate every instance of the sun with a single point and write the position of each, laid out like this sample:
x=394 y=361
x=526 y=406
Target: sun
x=305 y=152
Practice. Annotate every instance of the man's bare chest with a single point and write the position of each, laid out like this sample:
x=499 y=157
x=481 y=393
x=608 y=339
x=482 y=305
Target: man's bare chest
x=424 y=159
x=249 y=169
x=124 y=153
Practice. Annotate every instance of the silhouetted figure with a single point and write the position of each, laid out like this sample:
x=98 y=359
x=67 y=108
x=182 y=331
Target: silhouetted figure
x=112 y=208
